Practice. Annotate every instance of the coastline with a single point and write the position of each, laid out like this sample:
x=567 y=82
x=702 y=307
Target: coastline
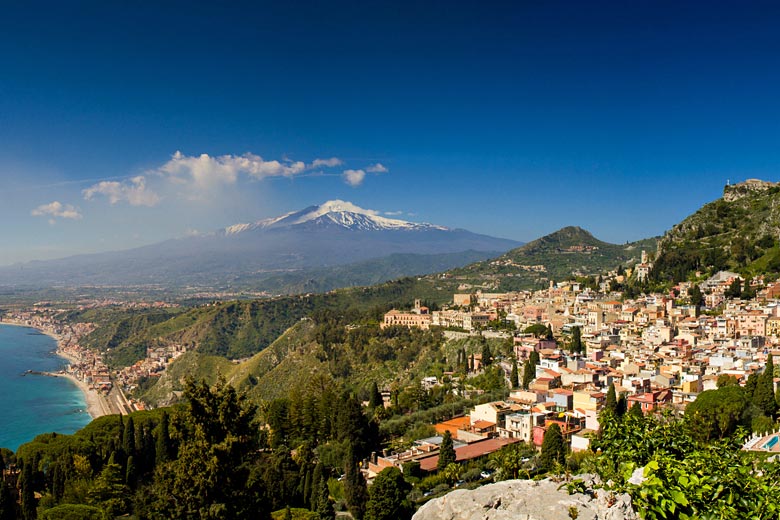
x=97 y=404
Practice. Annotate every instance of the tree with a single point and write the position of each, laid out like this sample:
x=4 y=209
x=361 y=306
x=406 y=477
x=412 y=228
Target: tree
x=735 y=289
x=510 y=460
x=636 y=410
x=446 y=451
x=529 y=373
x=487 y=356
x=128 y=437
x=514 y=378
x=218 y=444
x=324 y=507
x=576 y=340
x=610 y=405
x=163 y=449
x=764 y=396
x=622 y=406
x=7 y=502
x=355 y=490
x=750 y=385
x=715 y=414
x=375 y=398
x=387 y=497
x=109 y=491
x=548 y=334
x=553 y=448
x=696 y=296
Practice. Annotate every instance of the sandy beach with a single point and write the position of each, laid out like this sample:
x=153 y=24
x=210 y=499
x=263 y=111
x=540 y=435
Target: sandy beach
x=97 y=404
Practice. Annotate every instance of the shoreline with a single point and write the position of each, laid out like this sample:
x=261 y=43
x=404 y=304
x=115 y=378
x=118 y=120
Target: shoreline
x=97 y=404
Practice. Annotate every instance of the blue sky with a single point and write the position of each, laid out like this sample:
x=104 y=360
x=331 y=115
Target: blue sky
x=508 y=118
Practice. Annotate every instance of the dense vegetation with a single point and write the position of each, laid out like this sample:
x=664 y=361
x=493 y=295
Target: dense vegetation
x=737 y=235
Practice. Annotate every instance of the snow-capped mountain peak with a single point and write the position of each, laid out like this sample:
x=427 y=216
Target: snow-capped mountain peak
x=333 y=213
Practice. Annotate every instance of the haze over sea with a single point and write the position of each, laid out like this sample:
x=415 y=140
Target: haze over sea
x=34 y=404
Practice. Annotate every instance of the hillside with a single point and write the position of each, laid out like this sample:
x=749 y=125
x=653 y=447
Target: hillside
x=737 y=232
x=240 y=329
x=571 y=251
x=353 y=351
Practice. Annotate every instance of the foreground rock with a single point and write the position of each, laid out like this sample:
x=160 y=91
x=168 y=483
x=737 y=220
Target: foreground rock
x=527 y=500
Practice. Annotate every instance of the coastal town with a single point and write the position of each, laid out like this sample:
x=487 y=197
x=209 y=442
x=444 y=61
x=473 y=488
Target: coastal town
x=659 y=351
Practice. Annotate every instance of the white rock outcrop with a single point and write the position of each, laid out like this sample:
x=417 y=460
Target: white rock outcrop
x=527 y=500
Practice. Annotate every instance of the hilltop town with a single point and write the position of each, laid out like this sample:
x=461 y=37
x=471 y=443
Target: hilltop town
x=659 y=351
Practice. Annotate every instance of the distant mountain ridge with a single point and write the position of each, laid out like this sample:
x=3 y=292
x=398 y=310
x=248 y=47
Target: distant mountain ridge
x=336 y=233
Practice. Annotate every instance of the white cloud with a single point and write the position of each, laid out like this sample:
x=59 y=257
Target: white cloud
x=354 y=177
x=205 y=171
x=393 y=213
x=56 y=210
x=377 y=168
x=134 y=192
x=327 y=163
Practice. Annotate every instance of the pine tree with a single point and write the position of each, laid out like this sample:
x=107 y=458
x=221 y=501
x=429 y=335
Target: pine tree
x=316 y=478
x=514 y=378
x=553 y=448
x=446 y=451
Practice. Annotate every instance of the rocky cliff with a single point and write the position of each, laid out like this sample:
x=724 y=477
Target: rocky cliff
x=527 y=500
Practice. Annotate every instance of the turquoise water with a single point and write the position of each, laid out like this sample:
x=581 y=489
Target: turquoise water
x=771 y=443
x=33 y=404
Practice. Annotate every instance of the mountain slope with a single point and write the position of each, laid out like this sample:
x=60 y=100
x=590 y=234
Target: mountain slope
x=333 y=234
x=571 y=251
x=737 y=232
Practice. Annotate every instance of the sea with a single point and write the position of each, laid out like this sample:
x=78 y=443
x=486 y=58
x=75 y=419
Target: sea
x=34 y=404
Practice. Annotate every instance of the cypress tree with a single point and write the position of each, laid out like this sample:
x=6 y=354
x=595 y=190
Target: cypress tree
x=128 y=437
x=355 y=489
x=375 y=398
x=611 y=403
x=27 y=493
x=636 y=411
x=622 y=406
x=764 y=395
x=163 y=442
x=514 y=378
x=487 y=356
x=446 y=451
x=7 y=502
x=576 y=340
x=750 y=385
x=553 y=448
x=529 y=373
x=317 y=476
x=324 y=507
